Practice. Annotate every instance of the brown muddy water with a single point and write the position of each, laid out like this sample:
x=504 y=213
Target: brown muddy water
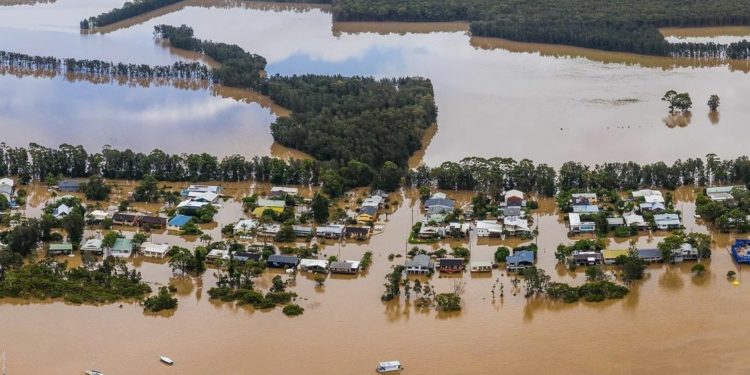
x=672 y=322
x=560 y=103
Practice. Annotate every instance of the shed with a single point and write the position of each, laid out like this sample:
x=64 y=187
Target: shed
x=60 y=248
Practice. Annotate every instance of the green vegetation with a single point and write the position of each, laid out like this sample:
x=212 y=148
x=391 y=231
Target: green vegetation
x=107 y=282
x=593 y=291
x=680 y=102
x=501 y=254
x=615 y=25
x=129 y=10
x=162 y=301
x=393 y=286
x=293 y=310
x=713 y=102
x=698 y=269
x=564 y=251
x=184 y=261
x=366 y=260
x=95 y=189
x=448 y=301
x=319 y=207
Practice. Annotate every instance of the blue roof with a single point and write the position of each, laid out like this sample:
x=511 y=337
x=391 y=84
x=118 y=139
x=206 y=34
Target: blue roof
x=179 y=220
x=521 y=256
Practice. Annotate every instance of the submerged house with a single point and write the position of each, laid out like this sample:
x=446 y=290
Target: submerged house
x=489 y=228
x=420 y=264
x=314 y=265
x=667 y=221
x=514 y=198
x=122 y=248
x=61 y=211
x=217 y=254
x=60 y=249
x=586 y=258
x=451 y=265
x=514 y=225
x=519 y=260
x=346 y=267
x=6 y=187
x=650 y=255
x=154 y=250
x=244 y=226
x=359 y=233
x=610 y=255
x=282 y=261
x=685 y=252
x=578 y=226
x=280 y=191
x=741 y=251
x=722 y=193
x=634 y=219
x=92 y=246
x=438 y=203
x=615 y=222
x=69 y=186
x=480 y=266
x=334 y=231
x=194 y=190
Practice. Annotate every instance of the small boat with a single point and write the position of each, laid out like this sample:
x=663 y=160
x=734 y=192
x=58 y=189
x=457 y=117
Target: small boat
x=389 y=366
x=94 y=372
x=166 y=360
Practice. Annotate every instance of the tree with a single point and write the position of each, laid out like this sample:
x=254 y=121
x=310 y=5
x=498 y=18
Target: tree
x=698 y=269
x=4 y=203
x=147 y=190
x=162 y=301
x=632 y=267
x=501 y=254
x=293 y=310
x=23 y=238
x=320 y=278
x=181 y=260
x=319 y=207
x=109 y=239
x=536 y=280
x=278 y=285
x=669 y=97
x=683 y=102
x=389 y=177
x=670 y=245
x=713 y=102
x=285 y=234
x=139 y=238
x=95 y=189
x=74 y=225
x=595 y=273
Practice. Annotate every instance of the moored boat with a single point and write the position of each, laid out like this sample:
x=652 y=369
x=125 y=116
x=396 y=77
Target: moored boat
x=94 y=372
x=389 y=366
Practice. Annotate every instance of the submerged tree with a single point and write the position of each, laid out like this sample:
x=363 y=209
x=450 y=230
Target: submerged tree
x=713 y=102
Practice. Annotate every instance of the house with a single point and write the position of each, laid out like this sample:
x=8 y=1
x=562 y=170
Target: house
x=92 y=246
x=585 y=208
x=97 y=215
x=512 y=211
x=650 y=255
x=615 y=222
x=152 y=221
x=191 y=205
x=302 y=231
x=480 y=266
x=438 y=210
x=381 y=193
x=489 y=228
x=193 y=190
x=667 y=221
x=178 y=222
x=577 y=226
x=429 y=231
x=451 y=265
x=69 y=186
x=741 y=251
x=348 y=267
x=457 y=230
x=610 y=255
x=124 y=218
x=280 y=191
x=314 y=265
x=6 y=187
x=653 y=207
x=436 y=218
x=61 y=211
x=685 y=252
x=359 y=233
x=723 y=189
x=278 y=203
x=244 y=256
x=590 y=198
x=334 y=231
x=721 y=197
x=649 y=196
x=60 y=249
x=217 y=254
x=269 y=230
x=519 y=260
x=367 y=214
x=154 y=250
x=282 y=261
x=586 y=258
x=122 y=248
x=440 y=203
x=374 y=201
x=514 y=198
x=637 y=220
x=420 y=264
x=514 y=225
x=244 y=226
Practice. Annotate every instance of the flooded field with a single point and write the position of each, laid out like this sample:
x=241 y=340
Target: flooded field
x=560 y=103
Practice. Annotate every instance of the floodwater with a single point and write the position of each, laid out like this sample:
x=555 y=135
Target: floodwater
x=559 y=103
x=672 y=322
x=722 y=34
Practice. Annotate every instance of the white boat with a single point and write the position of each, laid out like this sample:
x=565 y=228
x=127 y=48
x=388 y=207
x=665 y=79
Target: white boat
x=389 y=366
x=94 y=372
x=166 y=360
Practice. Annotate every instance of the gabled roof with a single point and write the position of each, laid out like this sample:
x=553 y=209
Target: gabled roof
x=649 y=253
x=451 y=262
x=420 y=260
x=513 y=193
x=443 y=202
x=585 y=208
x=283 y=259
x=525 y=256
x=368 y=210
x=123 y=244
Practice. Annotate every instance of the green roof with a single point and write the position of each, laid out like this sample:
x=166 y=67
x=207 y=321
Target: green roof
x=123 y=244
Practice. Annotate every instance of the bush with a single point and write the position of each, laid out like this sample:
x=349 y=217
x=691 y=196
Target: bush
x=448 y=301
x=501 y=254
x=293 y=310
x=161 y=301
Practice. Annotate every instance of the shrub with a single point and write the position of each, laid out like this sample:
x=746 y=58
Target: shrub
x=293 y=310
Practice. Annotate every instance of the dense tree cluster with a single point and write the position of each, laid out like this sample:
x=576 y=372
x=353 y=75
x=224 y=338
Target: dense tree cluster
x=616 y=25
x=129 y=9
x=334 y=118
x=99 y=68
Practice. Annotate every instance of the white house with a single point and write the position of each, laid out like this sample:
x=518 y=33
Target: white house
x=154 y=250
x=667 y=221
x=245 y=226
x=577 y=226
x=634 y=219
x=93 y=245
x=489 y=228
x=216 y=254
x=98 y=215
x=62 y=211
x=515 y=225
x=281 y=190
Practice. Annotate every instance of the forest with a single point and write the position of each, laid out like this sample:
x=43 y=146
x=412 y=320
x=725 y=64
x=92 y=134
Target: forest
x=129 y=9
x=334 y=118
x=615 y=25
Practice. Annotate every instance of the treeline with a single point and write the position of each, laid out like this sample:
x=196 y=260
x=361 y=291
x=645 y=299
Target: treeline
x=737 y=50
x=616 y=25
x=129 y=9
x=334 y=118
x=99 y=68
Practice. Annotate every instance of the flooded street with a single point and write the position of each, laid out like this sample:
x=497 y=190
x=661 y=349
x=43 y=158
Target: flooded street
x=672 y=321
x=560 y=103
x=495 y=98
